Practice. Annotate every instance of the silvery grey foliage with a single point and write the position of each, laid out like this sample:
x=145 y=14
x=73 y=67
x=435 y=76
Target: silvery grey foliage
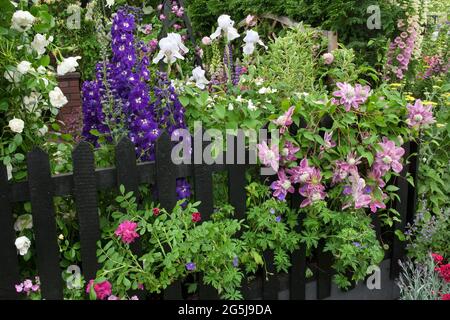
x=420 y=281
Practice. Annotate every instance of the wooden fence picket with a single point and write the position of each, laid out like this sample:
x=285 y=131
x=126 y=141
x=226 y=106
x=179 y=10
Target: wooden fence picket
x=44 y=224
x=9 y=265
x=398 y=247
x=86 y=204
x=165 y=173
x=236 y=176
x=324 y=271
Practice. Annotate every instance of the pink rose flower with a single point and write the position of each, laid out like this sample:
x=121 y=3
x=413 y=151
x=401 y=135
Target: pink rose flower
x=127 y=231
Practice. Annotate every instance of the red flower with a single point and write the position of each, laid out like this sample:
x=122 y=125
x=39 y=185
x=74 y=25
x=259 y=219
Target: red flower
x=155 y=211
x=102 y=290
x=444 y=271
x=196 y=217
x=445 y=296
x=437 y=258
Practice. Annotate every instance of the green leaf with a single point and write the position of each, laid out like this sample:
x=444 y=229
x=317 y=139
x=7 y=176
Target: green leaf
x=400 y=235
x=308 y=135
x=220 y=111
x=391 y=188
x=12 y=147
x=257 y=257
x=4 y=105
x=184 y=101
x=19 y=157
x=45 y=60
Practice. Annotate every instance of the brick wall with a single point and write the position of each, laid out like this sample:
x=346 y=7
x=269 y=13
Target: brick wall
x=70 y=115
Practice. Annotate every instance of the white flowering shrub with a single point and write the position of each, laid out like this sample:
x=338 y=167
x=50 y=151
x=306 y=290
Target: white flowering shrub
x=29 y=96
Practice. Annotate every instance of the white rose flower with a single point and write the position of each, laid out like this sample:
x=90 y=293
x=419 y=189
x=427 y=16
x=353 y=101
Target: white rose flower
x=227 y=26
x=12 y=76
x=251 y=39
x=24 y=221
x=198 y=75
x=23 y=244
x=16 y=125
x=40 y=43
x=24 y=66
x=22 y=20
x=57 y=98
x=67 y=65
x=169 y=50
x=43 y=131
x=31 y=100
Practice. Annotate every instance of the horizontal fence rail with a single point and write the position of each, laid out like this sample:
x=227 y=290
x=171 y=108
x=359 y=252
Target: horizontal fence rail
x=85 y=182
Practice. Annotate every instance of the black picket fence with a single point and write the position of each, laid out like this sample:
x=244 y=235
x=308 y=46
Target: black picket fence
x=86 y=181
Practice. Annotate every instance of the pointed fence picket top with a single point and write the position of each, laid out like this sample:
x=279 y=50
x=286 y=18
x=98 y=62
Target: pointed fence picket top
x=127 y=173
x=166 y=178
x=236 y=174
x=398 y=246
x=203 y=182
x=9 y=265
x=44 y=224
x=86 y=204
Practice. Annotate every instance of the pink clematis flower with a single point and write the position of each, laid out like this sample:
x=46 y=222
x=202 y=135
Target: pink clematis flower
x=127 y=231
x=419 y=115
x=388 y=158
x=288 y=152
x=375 y=176
x=282 y=186
x=285 y=120
x=313 y=190
x=269 y=156
x=351 y=97
x=359 y=197
x=376 y=204
x=329 y=143
x=345 y=168
x=347 y=96
x=302 y=173
x=362 y=92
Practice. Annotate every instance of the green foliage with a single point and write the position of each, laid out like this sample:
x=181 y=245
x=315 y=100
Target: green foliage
x=420 y=281
x=170 y=241
x=348 y=236
x=270 y=226
x=291 y=63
